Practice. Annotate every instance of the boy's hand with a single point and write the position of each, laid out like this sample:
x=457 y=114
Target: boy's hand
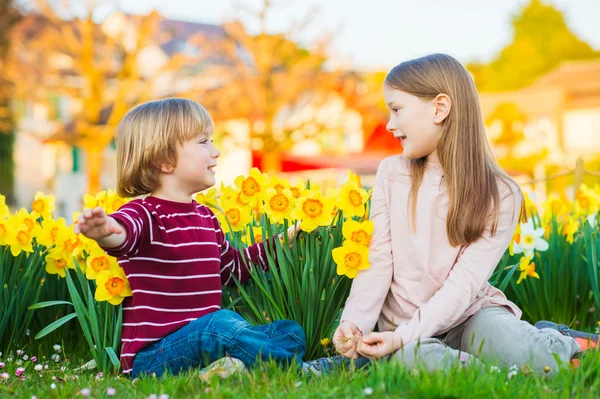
x=292 y=231
x=95 y=224
x=345 y=339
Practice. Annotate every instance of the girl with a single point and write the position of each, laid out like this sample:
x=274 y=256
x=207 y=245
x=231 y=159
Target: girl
x=444 y=214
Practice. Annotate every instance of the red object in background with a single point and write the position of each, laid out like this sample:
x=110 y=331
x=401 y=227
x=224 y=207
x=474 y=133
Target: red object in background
x=379 y=145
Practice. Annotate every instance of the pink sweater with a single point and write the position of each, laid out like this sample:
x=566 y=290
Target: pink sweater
x=418 y=284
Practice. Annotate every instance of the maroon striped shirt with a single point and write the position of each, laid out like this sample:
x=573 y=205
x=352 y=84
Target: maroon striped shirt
x=176 y=259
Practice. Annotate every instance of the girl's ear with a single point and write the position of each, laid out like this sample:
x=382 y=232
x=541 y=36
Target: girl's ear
x=443 y=105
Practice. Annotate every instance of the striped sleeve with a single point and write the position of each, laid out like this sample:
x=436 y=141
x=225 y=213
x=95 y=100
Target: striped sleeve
x=239 y=263
x=135 y=220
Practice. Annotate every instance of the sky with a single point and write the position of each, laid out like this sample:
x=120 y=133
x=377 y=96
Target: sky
x=378 y=34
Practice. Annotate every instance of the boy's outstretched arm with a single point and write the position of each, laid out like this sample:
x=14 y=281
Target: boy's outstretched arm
x=105 y=230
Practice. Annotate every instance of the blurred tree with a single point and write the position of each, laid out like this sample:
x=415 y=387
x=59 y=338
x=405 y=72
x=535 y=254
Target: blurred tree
x=9 y=16
x=64 y=50
x=541 y=41
x=262 y=75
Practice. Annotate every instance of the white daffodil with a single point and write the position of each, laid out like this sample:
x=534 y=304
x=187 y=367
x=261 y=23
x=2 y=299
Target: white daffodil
x=530 y=239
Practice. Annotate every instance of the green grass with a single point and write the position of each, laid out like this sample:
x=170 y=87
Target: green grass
x=382 y=380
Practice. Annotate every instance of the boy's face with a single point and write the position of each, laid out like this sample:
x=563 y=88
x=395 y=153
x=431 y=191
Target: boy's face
x=196 y=160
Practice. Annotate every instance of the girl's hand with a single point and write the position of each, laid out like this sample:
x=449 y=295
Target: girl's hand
x=345 y=339
x=378 y=345
x=95 y=224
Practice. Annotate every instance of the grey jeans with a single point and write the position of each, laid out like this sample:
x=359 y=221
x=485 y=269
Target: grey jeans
x=491 y=336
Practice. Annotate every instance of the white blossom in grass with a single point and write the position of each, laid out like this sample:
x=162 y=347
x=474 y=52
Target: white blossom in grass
x=19 y=352
x=163 y=396
x=85 y=392
x=38 y=367
x=513 y=371
x=111 y=391
x=25 y=357
x=368 y=391
x=531 y=239
x=53 y=386
x=4 y=376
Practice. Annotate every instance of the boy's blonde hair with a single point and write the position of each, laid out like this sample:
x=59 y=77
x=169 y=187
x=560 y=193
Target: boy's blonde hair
x=147 y=138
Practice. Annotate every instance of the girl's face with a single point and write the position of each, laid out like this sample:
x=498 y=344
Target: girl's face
x=415 y=122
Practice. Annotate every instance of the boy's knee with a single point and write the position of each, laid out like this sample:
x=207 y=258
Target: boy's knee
x=289 y=327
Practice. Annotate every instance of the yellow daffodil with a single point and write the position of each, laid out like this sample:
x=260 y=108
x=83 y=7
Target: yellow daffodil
x=313 y=209
x=258 y=236
x=253 y=186
x=26 y=218
x=530 y=205
x=208 y=198
x=587 y=202
x=20 y=239
x=352 y=199
x=298 y=189
x=235 y=219
x=113 y=202
x=515 y=240
x=277 y=183
x=279 y=204
x=90 y=201
x=359 y=233
x=554 y=205
x=42 y=206
x=325 y=341
x=97 y=261
x=4 y=231
x=4 y=212
x=570 y=227
x=354 y=177
x=57 y=263
x=50 y=229
x=527 y=269
x=350 y=258
x=112 y=286
x=67 y=241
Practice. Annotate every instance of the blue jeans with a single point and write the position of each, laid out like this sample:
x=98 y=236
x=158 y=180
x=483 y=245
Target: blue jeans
x=216 y=335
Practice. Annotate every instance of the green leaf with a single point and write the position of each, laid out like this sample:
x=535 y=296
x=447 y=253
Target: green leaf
x=53 y=326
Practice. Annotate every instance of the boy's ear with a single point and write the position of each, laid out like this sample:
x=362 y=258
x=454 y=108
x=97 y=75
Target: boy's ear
x=164 y=168
x=443 y=105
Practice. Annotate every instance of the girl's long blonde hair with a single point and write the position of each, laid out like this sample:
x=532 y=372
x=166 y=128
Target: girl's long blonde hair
x=470 y=169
